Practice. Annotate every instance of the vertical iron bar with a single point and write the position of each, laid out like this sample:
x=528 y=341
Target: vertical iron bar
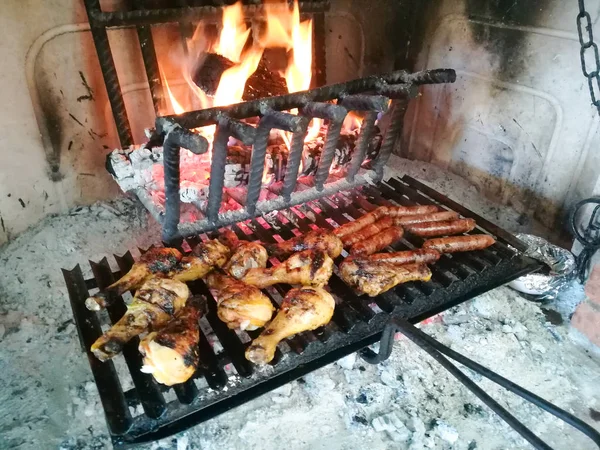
x=144 y=33
x=109 y=73
x=293 y=165
x=319 y=77
x=333 y=134
x=257 y=164
x=360 y=152
x=394 y=130
x=172 y=203
x=217 y=172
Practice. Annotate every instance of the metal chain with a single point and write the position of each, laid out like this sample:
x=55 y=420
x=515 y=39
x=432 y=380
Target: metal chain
x=586 y=40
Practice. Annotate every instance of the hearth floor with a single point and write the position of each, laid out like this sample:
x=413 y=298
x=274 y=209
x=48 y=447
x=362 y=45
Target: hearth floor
x=48 y=398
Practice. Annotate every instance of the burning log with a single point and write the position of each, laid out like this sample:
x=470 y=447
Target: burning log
x=208 y=75
x=262 y=83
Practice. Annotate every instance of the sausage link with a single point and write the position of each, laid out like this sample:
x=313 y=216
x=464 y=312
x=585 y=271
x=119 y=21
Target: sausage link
x=377 y=242
x=418 y=255
x=445 y=228
x=367 y=231
x=459 y=243
x=361 y=222
x=420 y=218
x=397 y=211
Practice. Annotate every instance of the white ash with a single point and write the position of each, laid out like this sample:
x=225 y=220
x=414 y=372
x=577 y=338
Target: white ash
x=48 y=398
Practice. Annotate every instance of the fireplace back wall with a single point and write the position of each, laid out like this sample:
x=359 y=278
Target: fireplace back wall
x=518 y=122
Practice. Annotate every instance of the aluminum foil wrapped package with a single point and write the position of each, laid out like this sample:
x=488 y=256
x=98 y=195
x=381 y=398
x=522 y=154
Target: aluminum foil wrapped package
x=560 y=271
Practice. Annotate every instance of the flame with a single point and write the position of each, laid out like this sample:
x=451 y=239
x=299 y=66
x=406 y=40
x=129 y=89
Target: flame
x=234 y=33
x=299 y=72
x=352 y=122
x=175 y=105
x=283 y=30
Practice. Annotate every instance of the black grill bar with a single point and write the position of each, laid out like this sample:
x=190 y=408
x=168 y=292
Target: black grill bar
x=356 y=323
x=375 y=84
x=111 y=393
x=187 y=14
x=109 y=73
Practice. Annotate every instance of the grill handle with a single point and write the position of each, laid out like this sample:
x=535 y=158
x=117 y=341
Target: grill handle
x=437 y=351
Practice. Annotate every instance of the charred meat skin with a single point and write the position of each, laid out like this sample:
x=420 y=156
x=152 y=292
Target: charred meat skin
x=163 y=263
x=239 y=305
x=308 y=268
x=376 y=277
x=444 y=228
x=323 y=240
x=171 y=354
x=154 y=305
x=455 y=244
x=302 y=309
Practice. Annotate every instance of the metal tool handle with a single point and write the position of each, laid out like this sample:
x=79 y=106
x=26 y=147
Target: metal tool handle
x=437 y=350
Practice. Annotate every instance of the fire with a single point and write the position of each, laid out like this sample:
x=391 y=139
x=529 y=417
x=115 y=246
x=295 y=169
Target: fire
x=238 y=44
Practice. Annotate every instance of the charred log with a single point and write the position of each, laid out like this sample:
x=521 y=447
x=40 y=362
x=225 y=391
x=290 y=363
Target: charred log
x=262 y=83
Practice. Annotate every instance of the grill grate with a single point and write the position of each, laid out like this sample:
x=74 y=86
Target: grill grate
x=225 y=379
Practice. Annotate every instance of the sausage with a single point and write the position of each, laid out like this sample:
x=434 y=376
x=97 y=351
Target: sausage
x=361 y=222
x=418 y=255
x=397 y=211
x=377 y=242
x=460 y=243
x=444 y=228
x=420 y=218
x=367 y=231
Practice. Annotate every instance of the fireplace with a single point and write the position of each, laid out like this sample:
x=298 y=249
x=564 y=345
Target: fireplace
x=307 y=145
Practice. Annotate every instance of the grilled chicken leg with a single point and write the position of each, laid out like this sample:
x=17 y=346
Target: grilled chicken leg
x=163 y=263
x=239 y=304
x=154 y=304
x=246 y=255
x=375 y=277
x=310 y=268
x=155 y=262
x=323 y=240
x=302 y=309
x=171 y=354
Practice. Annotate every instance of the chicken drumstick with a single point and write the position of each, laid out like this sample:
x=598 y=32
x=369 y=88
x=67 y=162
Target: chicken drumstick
x=302 y=309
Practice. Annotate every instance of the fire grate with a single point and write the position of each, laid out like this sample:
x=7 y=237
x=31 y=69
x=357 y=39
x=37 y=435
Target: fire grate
x=370 y=95
x=225 y=379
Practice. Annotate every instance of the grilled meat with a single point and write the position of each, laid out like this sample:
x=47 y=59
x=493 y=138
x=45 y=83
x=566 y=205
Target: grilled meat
x=323 y=240
x=367 y=231
x=239 y=304
x=171 y=354
x=460 y=243
x=245 y=255
x=401 y=211
x=156 y=302
x=375 y=277
x=418 y=255
x=420 y=218
x=156 y=262
x=443 y=228
x=309 y=268
x=361 y=222
x=302 y=309
x=163 y=263
x=377 y=242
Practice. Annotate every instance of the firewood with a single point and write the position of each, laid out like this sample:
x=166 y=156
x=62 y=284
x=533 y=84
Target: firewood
x=262 y=83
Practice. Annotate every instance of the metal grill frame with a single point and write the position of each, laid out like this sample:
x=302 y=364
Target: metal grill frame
x=370 y=95
x=185 y=14
x=355 y=324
